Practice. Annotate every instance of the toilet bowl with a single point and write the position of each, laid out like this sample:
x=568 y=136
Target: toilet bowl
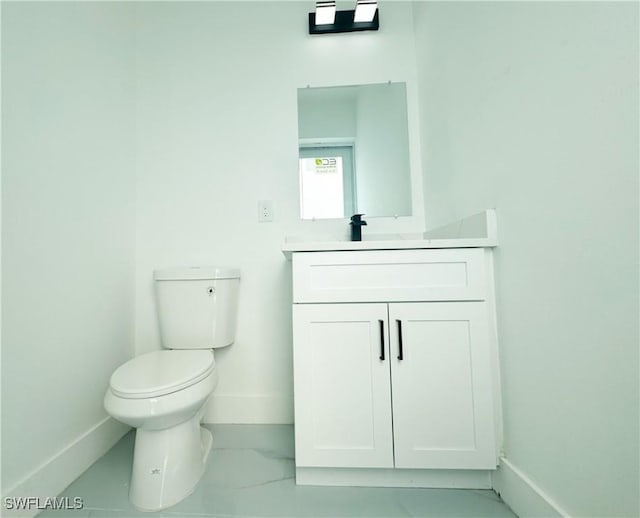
x=163 y=393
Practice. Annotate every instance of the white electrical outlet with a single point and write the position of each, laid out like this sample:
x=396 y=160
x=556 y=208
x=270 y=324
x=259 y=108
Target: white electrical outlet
x=265 y=211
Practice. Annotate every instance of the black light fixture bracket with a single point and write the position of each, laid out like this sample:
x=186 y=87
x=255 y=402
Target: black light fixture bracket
x=343 y=23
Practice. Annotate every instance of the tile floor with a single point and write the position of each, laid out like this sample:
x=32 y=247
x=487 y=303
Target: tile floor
x=251 y=474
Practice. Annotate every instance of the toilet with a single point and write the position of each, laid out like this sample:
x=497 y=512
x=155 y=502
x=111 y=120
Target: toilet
x=163 y=393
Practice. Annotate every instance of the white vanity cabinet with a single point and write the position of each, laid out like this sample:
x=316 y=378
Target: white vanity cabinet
x=395 y=367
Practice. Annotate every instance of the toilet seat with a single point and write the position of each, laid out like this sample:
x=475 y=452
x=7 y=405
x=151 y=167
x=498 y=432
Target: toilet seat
x=161 y=372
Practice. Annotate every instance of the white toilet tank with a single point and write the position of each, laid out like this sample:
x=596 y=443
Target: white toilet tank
x=197 y=306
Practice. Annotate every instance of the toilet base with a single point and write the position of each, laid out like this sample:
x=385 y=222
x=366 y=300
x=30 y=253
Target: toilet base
x=167 y=464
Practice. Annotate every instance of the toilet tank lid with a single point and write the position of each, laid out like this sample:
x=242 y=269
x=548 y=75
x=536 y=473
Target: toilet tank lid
x=195 y=273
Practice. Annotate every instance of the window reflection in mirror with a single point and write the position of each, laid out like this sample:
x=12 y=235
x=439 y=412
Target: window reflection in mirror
x=326 y=182
x=354 y=151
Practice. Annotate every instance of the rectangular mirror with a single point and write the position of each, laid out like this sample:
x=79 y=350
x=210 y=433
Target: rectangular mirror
x=354 y=151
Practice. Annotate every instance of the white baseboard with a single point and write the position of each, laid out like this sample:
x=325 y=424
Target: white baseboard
x=57 y=473
x=252 y=409
x=522 y=495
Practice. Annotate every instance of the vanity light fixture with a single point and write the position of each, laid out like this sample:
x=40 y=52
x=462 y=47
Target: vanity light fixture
x=326 y=20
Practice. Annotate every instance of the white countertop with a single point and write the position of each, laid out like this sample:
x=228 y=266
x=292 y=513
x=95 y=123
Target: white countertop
x=477 y=231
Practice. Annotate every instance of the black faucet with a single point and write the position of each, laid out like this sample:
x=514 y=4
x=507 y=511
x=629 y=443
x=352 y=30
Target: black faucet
x=356 y=227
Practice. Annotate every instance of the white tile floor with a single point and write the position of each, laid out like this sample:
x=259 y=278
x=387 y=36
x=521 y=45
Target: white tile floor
x=251 y=474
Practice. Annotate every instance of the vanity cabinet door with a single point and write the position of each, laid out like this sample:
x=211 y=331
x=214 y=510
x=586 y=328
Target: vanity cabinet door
x=342 y=386
x=442 y=392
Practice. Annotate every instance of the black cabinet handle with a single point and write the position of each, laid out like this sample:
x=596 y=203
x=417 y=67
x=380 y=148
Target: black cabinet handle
x=400 y=354
x=381 y=322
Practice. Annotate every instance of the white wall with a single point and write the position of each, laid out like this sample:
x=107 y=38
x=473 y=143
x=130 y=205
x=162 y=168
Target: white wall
x=325 y=118
x=382 y=152
x=533 y=108
x=216 y=132
x=68 y=234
